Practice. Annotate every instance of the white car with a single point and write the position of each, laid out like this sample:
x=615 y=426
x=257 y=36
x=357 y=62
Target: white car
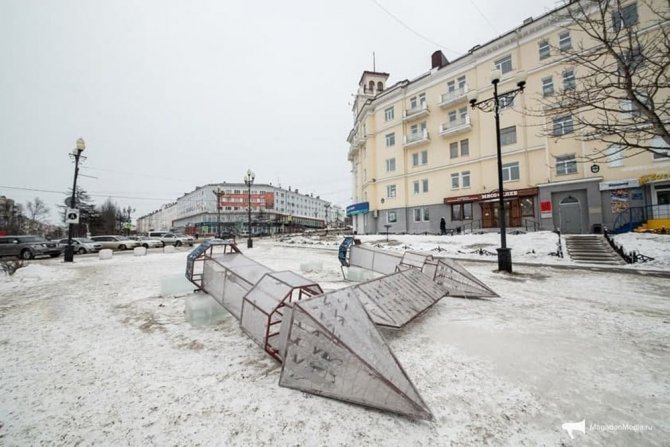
x=82 y=245
x=116 y=242
x=150 y=242
x=177 y=239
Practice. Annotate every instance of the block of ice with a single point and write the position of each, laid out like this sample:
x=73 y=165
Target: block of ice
x=173 y=285
x=169 y=249
x=202 y=309
x=105 y=253
x=359 y=274
x=140 y=251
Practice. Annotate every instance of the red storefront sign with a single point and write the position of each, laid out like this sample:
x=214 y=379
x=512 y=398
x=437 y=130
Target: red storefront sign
x=491 y=195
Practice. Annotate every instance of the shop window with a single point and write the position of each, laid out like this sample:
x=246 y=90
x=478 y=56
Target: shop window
x=527 y=207
x=391 y=217
x=461 y=211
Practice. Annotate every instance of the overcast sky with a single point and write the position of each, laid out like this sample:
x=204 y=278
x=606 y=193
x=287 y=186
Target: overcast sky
x=171 y=94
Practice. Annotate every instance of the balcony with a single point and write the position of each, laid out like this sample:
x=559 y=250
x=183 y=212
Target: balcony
x=359 y=140
x=454 y=97
x=415 y=112
x=416 y=138
x=456 y=127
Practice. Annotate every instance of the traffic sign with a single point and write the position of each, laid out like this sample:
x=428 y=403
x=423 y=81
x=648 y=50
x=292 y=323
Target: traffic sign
x=72 y=216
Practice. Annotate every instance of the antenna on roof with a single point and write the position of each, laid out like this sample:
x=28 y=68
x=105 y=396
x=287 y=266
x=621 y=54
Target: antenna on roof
x=374 y=66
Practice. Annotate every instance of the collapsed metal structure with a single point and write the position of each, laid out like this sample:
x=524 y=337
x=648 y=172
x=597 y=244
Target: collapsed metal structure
x=329 y=343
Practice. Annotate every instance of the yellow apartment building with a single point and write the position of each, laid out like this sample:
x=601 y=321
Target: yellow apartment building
x=419 y=152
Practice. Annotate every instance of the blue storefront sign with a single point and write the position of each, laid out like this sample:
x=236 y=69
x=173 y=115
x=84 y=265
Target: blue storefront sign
x=358 y=208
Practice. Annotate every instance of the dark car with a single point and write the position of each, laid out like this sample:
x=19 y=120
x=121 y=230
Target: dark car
x=28 y=247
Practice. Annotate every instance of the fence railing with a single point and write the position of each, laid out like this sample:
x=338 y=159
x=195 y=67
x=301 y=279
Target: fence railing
x=630 y=257
x=633 y=217
x=531 y=224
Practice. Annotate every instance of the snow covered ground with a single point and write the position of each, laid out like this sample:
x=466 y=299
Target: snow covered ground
x=92 y=354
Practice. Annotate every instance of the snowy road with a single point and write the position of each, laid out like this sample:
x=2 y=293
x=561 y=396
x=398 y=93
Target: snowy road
x=90 y=353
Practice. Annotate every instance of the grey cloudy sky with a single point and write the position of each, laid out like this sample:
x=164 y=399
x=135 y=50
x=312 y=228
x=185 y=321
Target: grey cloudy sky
x=173 y=94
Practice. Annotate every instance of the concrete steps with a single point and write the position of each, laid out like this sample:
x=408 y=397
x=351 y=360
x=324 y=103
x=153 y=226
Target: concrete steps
x=591 y=249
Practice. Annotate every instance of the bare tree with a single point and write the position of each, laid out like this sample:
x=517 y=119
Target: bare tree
x=618 y=92
x=37 y=210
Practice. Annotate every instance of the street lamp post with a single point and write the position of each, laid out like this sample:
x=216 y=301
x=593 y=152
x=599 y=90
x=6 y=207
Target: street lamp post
x=249 y=180
x=493 y=105
x=68 y=256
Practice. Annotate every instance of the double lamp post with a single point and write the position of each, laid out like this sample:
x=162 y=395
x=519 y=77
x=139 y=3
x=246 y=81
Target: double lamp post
x=493 y=104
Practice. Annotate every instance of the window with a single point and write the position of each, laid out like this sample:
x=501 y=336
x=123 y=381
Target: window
x=508 y=135
x=424 y=185
x=388 y=114
x=451 y=86
x=417 y=101
x=452 y=117
x=419 y=158
x=465 y=148
x=545 y=50
x=510 y=171
x=506 y=101
x=390 y=139
x=461 y=82
x=415 y=159
x=625 y=17
x=417 y=130
x=455 y=181
x=504 y=64
x=615 y=155
x=453 y=150
x=421 y=214
x=461 y=211
x=463 y=113
x=661 y=148
x=424 y=157
x=391 y=217
x=566 y=164
x=569 y=79
x=563 y=125
x=390 y=191
x=527 y=207
x=547 y=86
x=416 y=187
x=564 y=41
x=390 y=165
x=465 y=179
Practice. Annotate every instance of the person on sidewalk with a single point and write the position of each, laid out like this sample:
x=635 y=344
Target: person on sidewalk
x=443 y=226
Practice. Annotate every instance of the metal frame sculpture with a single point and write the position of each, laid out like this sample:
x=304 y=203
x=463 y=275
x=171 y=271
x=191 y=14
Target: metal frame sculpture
x=329 y=343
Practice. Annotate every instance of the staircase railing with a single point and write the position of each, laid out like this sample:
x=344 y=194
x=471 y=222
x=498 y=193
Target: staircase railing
x=633 y=217
x=559 y=245
x=630 y=257
x=531 y=223
x=473 y=225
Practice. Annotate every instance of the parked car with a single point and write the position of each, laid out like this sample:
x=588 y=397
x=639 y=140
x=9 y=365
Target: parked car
x=116 y=242
x=177 y=240
x=28 y=247
x=149 y=242
x=82 y=245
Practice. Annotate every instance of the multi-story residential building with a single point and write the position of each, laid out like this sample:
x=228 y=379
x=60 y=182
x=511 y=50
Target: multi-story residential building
x=9 y=216
x=273 y=210
x=419 y=152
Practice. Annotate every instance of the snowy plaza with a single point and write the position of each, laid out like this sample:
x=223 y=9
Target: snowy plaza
x=92 y=353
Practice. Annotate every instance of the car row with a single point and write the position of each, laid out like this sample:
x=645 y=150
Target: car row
x=28 y=247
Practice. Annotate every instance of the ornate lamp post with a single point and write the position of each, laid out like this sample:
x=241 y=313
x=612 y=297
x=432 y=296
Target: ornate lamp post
x=68 y=255
x=493 y=105
x=249 y=180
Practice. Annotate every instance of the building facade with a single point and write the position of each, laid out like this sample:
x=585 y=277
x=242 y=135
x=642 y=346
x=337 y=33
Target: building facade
x=226 y=206
x=419 y=152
